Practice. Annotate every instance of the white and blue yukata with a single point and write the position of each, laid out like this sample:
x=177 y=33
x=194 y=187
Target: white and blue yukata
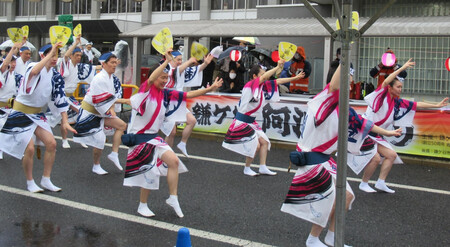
x=385 y=112
x=150 y=109
x=33 y=92
x=312 y=191
x=9 y=84
x=243 y=134
x=72 y=74
x=190 y=77
x=103 y=93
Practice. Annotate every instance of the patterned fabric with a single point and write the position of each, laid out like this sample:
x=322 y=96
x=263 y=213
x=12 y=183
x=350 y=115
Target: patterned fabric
x=242 y=137
x=311 y=195
x=9 y=85
x=150 y=109
x=102 y=94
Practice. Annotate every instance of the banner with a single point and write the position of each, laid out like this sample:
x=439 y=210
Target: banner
x=428 y=134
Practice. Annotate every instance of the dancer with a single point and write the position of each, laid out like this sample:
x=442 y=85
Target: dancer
x=244 y=136
x=9 y=83
x=73 y=72
x=311 y=195
x=385 y=107
x=23 y=60
x=42 y=83
x=147 y=150
x=180 y=76
x=98 y=111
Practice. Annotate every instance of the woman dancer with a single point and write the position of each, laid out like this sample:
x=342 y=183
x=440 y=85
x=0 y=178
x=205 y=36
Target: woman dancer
x=384 y=108
x=244 y=135
x=151 y=106
x=311 y=195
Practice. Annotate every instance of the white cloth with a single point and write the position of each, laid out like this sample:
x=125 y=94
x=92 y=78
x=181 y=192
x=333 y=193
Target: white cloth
x=242 y=137
x=144 y=164
x=21 y=66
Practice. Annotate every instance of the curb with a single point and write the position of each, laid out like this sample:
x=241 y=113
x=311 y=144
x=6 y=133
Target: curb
x=409 y=159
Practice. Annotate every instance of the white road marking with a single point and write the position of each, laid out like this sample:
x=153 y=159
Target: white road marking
x=402 y=186
x=132 y=218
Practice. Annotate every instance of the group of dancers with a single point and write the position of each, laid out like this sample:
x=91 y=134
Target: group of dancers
x=160 y=104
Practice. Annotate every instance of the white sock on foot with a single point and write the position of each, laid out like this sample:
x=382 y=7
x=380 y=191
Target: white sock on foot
x=83 y=145
x=182 y=147
x=314 y=242
x=32 y=187
x=381 y=185
x=173 y=202
x=144 y=210
x=114 y=157
x=329 y=239
x=366 y=187
x=264 y=170
x=98 y=170
x=249 y=172
x=65 y=143
x=47 y=184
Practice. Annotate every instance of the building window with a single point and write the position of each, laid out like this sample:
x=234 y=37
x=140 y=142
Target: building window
x=175 y=5
x=26 y=8
x=428 y=77
x=406 y=8
x=76 y=7
x=236 y=4
x=120 y=6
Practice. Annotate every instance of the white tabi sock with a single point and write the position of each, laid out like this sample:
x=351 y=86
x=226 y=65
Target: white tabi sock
x=366 y=187
x=329 y=239
x=144 y=210
x=65 y=143
x=264 y=170
x=173 y=202
x=381 y=185
x=114 y=157
x=98 y=170
x=32 y=186
x=314 y=242
x=249 y=172
x=48 y=185
x=182 y=147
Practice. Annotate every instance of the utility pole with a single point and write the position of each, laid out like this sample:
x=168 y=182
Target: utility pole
x=345 y=35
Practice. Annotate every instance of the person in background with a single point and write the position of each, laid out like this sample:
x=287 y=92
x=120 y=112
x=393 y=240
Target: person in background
x=382 y=72
x=333 y=65
x=298 y=65
x=9 y=83
x=23 y=61
x=87 y=54
x=73 y=72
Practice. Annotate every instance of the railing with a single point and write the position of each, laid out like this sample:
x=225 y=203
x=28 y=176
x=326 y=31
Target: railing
x=126 y=93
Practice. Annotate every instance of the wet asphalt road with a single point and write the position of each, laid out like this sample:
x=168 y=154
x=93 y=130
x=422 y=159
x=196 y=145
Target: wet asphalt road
x=216 y=198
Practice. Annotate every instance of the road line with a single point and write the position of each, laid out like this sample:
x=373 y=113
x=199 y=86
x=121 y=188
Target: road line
x=401 y=186
x=132 y=218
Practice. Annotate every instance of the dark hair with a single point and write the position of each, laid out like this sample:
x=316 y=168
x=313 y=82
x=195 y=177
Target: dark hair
x=109 y=58
x=47 y=51
x=254 y=70
x=338 y=51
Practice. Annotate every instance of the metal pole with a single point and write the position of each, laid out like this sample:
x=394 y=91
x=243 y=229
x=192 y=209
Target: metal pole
x=343 y=125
